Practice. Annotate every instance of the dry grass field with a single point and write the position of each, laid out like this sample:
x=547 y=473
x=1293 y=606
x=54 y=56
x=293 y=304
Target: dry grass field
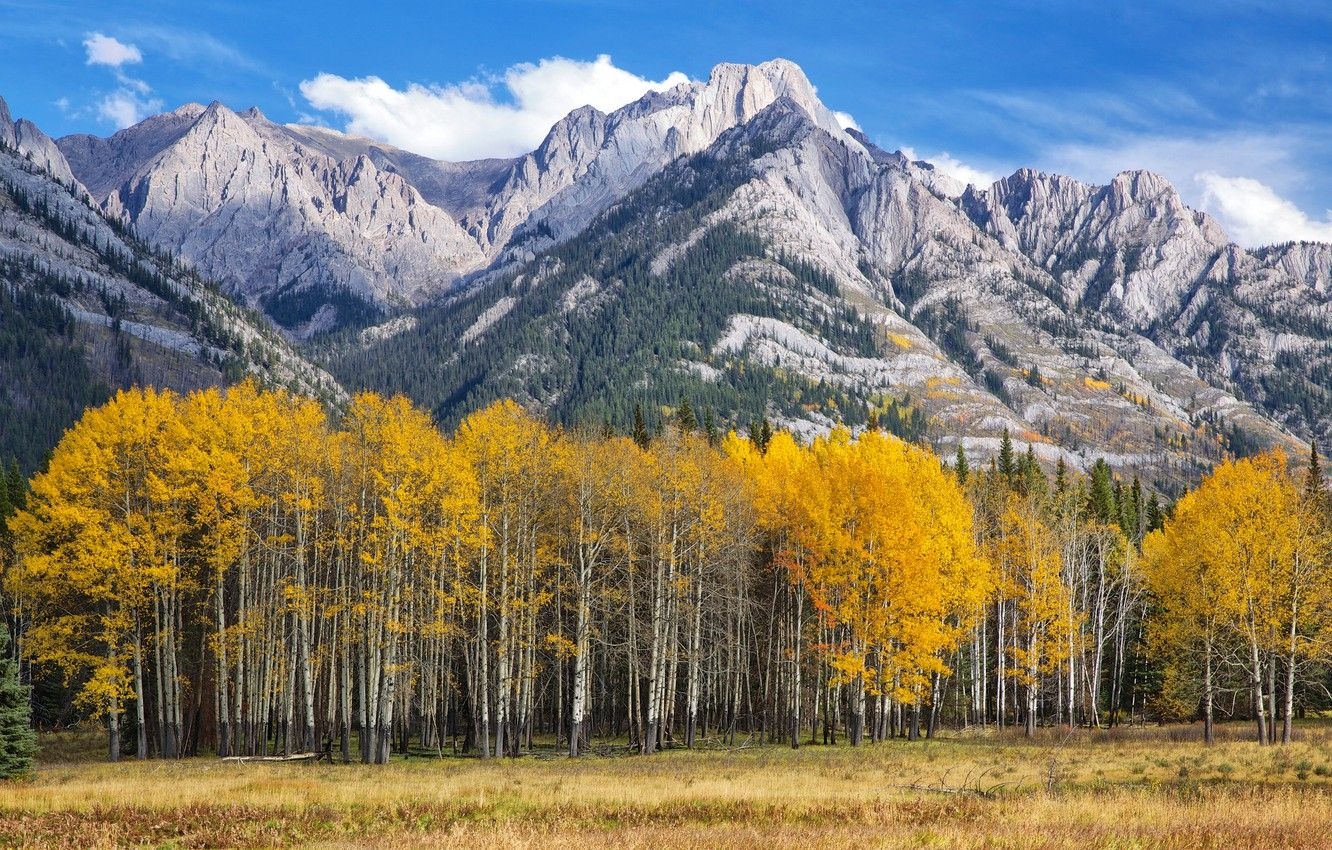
x=1123 y=789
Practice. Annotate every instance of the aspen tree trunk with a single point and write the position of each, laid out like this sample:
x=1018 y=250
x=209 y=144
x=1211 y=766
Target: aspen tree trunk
x=303 y=628
x=1000 y=671
x=582 y=633
x=220 y=683
x=482 y=693
x=857 y=729
x=935 y=706
x=1288 y=710
x=1209 y=690
x=1256 y=683
x=657 y=662
x=159 y=639
x=1033 y=684
x=798 y=596
x=1118 y=665
x=1271 y=698
x=695 y=661
x=113 y=730
x=503 y=661
x=141 y=742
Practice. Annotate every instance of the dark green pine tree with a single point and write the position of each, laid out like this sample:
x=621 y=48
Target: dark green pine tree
x=760 y=434
x=18 y=743
x=1313 y=477
x=1134 y=518
x=640 y=428
x=1007 y=465
x=961 y=468
x=1061 y=477
x=1101 y=500
x=710 y=427
x=685 y=415
x=1155 y=516
x=1030 y=479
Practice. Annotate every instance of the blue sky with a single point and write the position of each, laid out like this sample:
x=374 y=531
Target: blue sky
x=1230 y=99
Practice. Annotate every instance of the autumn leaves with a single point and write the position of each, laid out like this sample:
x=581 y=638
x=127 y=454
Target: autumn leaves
x=1242 y=576
x=237 y=572
x=879 y=536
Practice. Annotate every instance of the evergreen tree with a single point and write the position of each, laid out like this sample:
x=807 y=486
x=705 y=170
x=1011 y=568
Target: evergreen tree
x=1007 y=465
x=640 y=428
x=1133 y=514
x=1101 y=499
x=760 y=434
x=685 y=415
x=1061 y=477
x=1155 y=516
x=1313 y=478
x=710 y=427
x=18 y=743
x=961 y=468
x=1030 y=479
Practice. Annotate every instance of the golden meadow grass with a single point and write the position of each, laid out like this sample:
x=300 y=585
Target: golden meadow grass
x=1128 y=789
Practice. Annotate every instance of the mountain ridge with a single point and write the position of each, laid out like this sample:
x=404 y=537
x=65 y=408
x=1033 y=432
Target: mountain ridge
x=1110 y=317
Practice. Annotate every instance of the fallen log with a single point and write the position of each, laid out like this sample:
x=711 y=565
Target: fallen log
x=292 y=757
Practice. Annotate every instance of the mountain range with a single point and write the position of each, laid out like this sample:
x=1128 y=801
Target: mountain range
x=727 y=242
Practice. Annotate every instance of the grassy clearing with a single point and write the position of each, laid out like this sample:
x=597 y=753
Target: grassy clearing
x=1113 y=790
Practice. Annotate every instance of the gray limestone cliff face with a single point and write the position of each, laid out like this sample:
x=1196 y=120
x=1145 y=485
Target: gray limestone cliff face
x=33 y=145
x=264 y=215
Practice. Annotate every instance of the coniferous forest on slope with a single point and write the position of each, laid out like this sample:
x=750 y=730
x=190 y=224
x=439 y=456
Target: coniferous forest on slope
x=628 y=341
x=238 y=573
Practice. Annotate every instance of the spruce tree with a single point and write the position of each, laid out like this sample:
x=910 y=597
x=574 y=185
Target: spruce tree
x=710 y=428
x=1313 y=479
x=640 y=428
x=1101 y=500
x=1007 y=465
x=18 y=743
x=685 y=414
x=961 y=468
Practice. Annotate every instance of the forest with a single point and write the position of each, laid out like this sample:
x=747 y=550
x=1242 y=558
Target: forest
x=240 y=572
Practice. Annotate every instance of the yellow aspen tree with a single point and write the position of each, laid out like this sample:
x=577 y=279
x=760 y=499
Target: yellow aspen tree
x=1239 y=559
x=510 y=455
x=90 y=552
x=1028 y=556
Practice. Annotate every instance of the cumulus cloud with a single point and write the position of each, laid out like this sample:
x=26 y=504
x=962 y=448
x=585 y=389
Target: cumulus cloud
x=1240 y=178
x=846 y=122
x=950 y=166
x=467 y=120
x=125 y=108
x=1253 y=214
x=105 y=50
x=963 y=173
x=132 y=101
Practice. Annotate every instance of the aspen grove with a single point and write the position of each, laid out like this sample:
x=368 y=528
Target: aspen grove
x=235 y=571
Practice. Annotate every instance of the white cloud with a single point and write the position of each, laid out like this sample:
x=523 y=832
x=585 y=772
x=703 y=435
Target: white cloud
x=950 y=166
x=1251 y=208
x=105 y=50
x=124 y=108
x=963 y=173
x=466 y=121
x=846 y=122
x=1253 y=214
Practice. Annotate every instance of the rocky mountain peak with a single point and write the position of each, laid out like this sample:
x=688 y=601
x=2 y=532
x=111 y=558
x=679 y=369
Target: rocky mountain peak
x=34 y=145
x=6 y=126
